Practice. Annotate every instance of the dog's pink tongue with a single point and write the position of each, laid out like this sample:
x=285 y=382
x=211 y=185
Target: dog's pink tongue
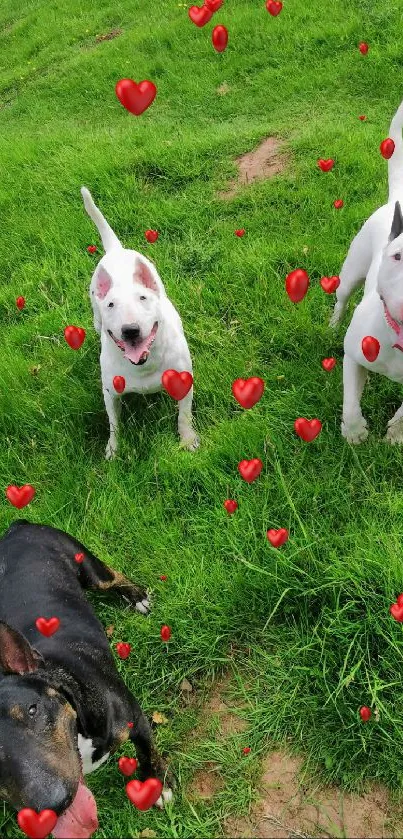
x=134 y=353
x=80 y=820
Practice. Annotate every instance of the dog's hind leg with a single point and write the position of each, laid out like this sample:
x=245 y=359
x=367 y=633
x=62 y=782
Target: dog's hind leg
x=394 y=433
x=189 y=439
x=353 y=426
x=355 y=268
x=94 y=574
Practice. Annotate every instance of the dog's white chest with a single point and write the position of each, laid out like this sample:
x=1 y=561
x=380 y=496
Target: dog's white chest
x=86 y=749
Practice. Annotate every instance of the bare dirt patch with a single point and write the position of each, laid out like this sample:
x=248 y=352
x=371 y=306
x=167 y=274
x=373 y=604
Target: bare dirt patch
x=223 y=710
x=288 y=809
x=206 y=783
x=109 y=36
x=223 y=89
x=267 y=160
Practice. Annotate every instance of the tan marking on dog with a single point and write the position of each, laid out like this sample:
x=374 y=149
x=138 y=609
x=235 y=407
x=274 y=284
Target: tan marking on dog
x=62 y=754
x=16 y=712
x=118 y=579
x=51 y=692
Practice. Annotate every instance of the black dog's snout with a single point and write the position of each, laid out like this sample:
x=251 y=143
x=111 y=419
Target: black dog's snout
x=130 y=332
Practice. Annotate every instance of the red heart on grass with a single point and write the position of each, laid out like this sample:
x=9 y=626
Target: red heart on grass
x=151 y=235
x=127 y=765
x=307 y=429
x=246 y=750
x=230 y=506
x=363 y=47
x=250 y=469
x=329 y=284
x=92 y=249
x=119 y=383
x=47 y=626
x=400 y=600
x=365 y=713
x=200 y=15
x=338 y=204
x=370 y=347
x=214 y=5
x=20 y=496
x=219 y=37
x=277 y=537
x=387 y=148
x=136 y=98
x=248 y=391
x=144 y=795
x=36 y=825
x=362 y=117
x=396 y=610
x=165 y=632
x=75 y=336
x=328 y=363
x=326 y=165
x=79 y=558
x=177 y=384
x=296 y=285
x=274 y=7
x=240 y=232
x=20 y=303
x=163 y=577
x=123 y=650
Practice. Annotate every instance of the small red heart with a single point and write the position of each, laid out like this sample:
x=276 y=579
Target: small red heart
x=151 y=235
x=20 y=303
x=200 y=15
x=338 y=204
x=136 y=98
x=130 y=724
x=177 y=384
x=75 y=336
x=326 y=165
x=246 y=750
x=362 y=117
x=36 y=825
x=79 y=558
x=163 y=577
x=328 y=363
x=248 y=391
x=296 y=285
x=165 y=632
x=307 y=429
x=274 y=7
x=47 y=626
x=241 y=232
x=397 y=612
x=370 y=347
x=92 y=249
x=363 y=47
x=219 y=37
x=277 y=537
x=214 y=5
x=230 y=506
x=123 y=650
x=20 y=496
x=365 y=713
x=119 y=383
x=250 y=469
x=144 y=795
x=330 y=284
x=127 y=765
x=387 y=148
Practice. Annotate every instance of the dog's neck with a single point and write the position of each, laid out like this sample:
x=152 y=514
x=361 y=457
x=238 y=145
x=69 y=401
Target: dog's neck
x=397 y=328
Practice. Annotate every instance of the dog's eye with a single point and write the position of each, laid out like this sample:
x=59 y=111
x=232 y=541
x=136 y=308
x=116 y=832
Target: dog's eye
x=397 y=256
x=110 y=305
x=32 y=710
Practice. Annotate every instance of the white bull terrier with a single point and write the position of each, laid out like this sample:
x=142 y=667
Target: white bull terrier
x=141 y=331
x=376 y=256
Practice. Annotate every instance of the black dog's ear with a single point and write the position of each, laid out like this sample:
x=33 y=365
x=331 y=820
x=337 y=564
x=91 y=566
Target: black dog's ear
x=397 y=223
x=16 y=653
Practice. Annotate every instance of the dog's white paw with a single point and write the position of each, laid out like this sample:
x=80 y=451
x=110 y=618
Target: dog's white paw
x=165 y=798
x=190 y=440
x=143 y=606
x=355 y=432
x=394 y=434
x=110 y=450
x=336 y=316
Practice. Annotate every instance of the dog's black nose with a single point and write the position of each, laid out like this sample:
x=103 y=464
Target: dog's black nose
x=130 y=332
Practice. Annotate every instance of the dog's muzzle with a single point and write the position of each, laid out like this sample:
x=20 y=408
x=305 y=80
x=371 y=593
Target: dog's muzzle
x=136 y=350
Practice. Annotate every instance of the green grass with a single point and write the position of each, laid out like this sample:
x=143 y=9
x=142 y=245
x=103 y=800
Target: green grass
x=306 y=627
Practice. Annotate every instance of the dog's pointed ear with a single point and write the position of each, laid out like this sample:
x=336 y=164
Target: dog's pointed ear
x=397 y=223
x=16 y=653
x=103 y=283
x=143 y=274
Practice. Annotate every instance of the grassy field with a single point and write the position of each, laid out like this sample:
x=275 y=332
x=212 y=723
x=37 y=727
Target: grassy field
x=305 y=627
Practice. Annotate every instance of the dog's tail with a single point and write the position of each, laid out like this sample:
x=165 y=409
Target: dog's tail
x=395 y=168
x=109 y=238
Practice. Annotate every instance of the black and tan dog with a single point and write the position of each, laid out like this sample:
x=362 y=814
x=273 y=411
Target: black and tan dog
x=63 y=706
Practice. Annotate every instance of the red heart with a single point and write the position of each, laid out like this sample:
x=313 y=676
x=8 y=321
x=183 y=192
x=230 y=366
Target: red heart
x=230 y=506
x=326 y=165
x=48 y=626
x=79 y=557
x=338 y=204
x=200 y=15
x=250 y=469
x=214 y=5
x=92 y=249
x=163 y=577
x=36 y=825
x=240 y=232
x=387 y=148
x=123 y=650
x=397 y=612
x=274 y=7
x=307 y=429
x=400 y=600
x=75 y=336
x=246 y=750
x=20 y=303
x=127 y=765
x=151 y=235
x=119 y=383
x=136 y=98
x=363 y=47
x=20 y=496
x=165 y=632
x=277 y=537
x=329 y=284
x=130 y=724
x=362 y=117
x=296 y=285
x=219 y=37
x=365 y=713
x=328 y=363
x=370 y=347
x=177 y=384
x=144 y=795
x=248 y=391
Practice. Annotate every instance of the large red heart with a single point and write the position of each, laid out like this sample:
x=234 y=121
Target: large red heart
x=219 y=37
x=136 y=98
x=326 y=165
x=127 y=765
x=250 y=469
x=75 y=336
x=330 y=284
x=214 y=5
x=400 y=600
x=144 y=795
x=397 y=612
x=296 y=285
x=370 y=347
x=274 y=7
x=328 y=363
x=48 y=626
x=20 y=496
x=277 y=537
x=248 y=391
x=387 y=148
x=307 y=429
x=123 y=650
x=177 y=384
x=36 y=825
x=200 y=15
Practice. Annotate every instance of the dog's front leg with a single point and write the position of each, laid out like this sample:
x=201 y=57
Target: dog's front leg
x=113 y=405
x=353 y=426
x=189 y=439
x=394 y=433
x=152 y=765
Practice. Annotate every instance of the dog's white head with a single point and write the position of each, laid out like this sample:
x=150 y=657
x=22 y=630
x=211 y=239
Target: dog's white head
x=128 y=292
x=390 y=276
